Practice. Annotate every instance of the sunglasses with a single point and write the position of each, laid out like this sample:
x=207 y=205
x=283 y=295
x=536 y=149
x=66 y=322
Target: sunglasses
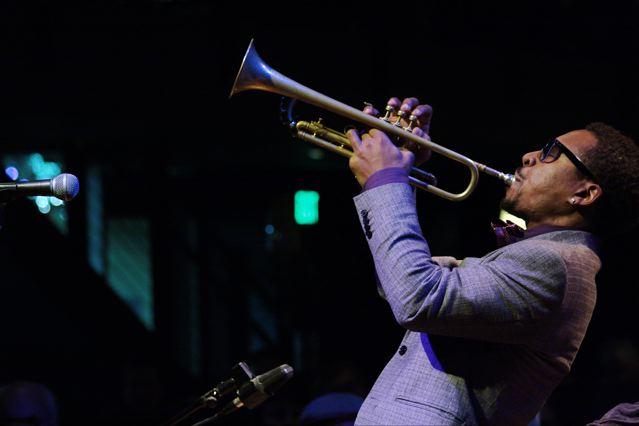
x=553 y=150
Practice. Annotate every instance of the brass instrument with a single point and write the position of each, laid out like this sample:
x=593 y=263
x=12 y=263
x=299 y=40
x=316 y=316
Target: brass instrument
x=255 y=74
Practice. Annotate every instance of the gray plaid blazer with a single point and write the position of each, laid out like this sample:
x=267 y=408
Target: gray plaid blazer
x=487 y=340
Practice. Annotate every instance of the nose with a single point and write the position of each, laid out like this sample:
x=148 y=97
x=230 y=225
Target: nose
x=529 y=159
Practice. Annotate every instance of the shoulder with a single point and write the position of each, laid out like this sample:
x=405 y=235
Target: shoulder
x=527 y=258
x=548 y=255
x=529 y=252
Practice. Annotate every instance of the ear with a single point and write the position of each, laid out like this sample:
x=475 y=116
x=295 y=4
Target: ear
x=588 y=194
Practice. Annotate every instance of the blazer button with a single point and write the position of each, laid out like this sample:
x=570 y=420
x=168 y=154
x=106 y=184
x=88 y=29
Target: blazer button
x=369 y=234
x=402 y=350
x=364 y=213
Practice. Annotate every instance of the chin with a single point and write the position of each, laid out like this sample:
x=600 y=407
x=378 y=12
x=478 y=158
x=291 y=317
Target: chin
x=511 y=207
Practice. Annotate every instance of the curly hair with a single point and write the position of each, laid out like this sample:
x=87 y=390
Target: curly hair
x=614 y=161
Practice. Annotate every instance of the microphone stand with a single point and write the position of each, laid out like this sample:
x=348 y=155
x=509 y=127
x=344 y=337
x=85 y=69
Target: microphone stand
x=239 y=374
x=201 y=403
x=207 y=421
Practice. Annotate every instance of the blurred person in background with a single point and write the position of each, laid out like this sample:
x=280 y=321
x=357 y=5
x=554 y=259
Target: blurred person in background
x=26 y=403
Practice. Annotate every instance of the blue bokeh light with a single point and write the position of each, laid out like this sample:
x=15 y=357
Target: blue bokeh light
x=12 y=173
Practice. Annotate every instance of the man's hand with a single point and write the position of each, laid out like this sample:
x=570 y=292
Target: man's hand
x=374 y=151
x=448 y=262
x=423 y=114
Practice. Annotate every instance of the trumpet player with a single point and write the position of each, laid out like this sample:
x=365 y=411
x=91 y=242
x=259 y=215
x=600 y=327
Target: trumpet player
x=488 y=339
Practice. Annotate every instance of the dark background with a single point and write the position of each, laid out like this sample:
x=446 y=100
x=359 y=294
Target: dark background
x=139 y=89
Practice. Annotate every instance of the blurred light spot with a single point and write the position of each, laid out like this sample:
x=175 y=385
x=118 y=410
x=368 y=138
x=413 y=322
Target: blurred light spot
x=55 y=202
x=43 y=169
x=270 y=229
x=12 y=172
x=315 y=154
x=306 y=207
x=36 y=162
x=46 y=209
x=42 y=202
x=504 y=215
x=53 y=169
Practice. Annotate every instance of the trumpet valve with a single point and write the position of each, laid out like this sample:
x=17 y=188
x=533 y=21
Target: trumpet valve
x=412 y=120
x=400 y=114
x=389 y=111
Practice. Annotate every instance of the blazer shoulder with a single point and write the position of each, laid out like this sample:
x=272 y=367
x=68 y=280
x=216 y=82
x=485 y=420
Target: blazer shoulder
x=526 y=250
x=550 y=254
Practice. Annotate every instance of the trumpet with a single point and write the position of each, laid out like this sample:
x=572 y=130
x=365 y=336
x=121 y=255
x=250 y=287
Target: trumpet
x=255 y=74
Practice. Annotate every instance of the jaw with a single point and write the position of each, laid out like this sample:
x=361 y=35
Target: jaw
x=513 y=205
x=510 y=205
x=509 y=202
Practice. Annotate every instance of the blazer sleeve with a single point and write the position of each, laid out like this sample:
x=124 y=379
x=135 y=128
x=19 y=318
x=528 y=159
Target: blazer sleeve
x=504 y=300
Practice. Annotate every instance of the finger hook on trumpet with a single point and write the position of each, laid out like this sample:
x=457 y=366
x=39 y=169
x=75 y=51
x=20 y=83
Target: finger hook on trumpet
x=287 y=105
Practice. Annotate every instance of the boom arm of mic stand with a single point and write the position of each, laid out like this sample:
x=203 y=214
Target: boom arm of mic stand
x=206 y=421
x=188 y=412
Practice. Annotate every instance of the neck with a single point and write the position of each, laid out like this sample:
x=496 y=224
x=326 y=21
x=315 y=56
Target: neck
x=575 y=220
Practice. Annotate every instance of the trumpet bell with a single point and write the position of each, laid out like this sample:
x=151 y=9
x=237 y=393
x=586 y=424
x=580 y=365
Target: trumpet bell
x=253 y=74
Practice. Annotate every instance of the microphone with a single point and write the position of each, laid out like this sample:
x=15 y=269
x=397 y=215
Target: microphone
x=64 y=187
x=258 y=389
x=239 y=374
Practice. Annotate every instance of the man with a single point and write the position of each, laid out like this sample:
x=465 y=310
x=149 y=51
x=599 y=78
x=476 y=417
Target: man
x=489 y=338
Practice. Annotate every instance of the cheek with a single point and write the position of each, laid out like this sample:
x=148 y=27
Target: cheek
x=546 y=176
x=528 y=191
x=547 y=188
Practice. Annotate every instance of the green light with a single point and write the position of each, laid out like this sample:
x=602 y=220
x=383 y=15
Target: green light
x=44 y=209
x=36 y=162
x=306 y=207
x=42 y=202
x=43 y=169
x=55 y=202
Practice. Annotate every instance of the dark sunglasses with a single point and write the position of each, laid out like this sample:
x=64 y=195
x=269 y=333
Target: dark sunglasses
x=553 y=150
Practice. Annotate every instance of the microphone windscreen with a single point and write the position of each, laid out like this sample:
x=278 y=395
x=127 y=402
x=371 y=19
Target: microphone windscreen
x=261 y=387
x=272 y=380
x=65 y=186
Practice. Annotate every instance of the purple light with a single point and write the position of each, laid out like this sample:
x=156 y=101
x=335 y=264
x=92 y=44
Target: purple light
x=12 y=172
